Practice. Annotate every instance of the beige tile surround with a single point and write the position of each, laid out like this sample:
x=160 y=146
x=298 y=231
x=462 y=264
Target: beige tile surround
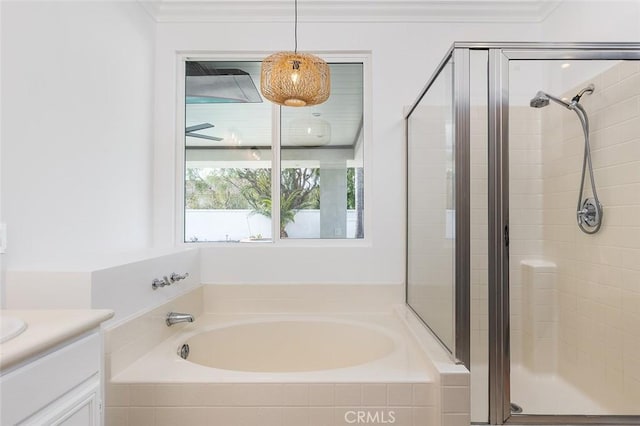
x=443 y=402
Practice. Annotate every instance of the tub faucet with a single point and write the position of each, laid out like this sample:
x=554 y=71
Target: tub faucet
x=176 y=317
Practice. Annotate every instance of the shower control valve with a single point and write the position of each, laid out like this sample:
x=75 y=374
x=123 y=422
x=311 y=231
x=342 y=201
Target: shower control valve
x=160 y=283
x=171 y=279
x=590 y=213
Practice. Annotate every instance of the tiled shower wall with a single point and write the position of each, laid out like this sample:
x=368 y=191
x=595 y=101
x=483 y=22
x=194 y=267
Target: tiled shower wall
x=274 y=404
x=479 y=265
x=525 y=210
x=598 y=276
x=479 y=242
x=525 y=218
x=526 y=233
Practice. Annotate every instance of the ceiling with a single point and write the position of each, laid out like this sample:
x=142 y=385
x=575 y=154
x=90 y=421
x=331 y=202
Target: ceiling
x=350 y=10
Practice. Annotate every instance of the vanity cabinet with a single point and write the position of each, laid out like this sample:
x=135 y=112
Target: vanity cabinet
x=61 y=387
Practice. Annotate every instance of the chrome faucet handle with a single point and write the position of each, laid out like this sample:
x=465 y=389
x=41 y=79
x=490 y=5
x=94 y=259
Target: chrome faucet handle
x=165 y=281
x=177 y=277
x=160 y=283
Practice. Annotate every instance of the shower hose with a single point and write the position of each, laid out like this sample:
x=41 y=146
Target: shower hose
x=582 y=208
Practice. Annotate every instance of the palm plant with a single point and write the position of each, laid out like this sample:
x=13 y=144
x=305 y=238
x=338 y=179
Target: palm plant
x=299 y=189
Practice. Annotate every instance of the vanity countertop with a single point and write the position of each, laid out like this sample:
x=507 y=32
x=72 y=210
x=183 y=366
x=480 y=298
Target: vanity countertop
x=47 y=328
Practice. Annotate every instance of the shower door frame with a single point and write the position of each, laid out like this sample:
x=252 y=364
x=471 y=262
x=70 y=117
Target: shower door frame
x=460 y=351
x=500 y=54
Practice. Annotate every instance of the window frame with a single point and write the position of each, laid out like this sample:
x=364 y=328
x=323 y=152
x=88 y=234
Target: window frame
x=180 y=166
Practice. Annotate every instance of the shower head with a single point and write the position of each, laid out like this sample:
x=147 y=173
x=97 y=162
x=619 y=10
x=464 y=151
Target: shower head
x=540 y=100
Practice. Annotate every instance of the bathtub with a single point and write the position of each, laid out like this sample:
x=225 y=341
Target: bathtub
x=283 y=349
x=266 y=369
x=289 y=345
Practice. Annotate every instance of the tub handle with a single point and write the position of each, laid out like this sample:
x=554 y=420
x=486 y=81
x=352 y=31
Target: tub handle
x=165 y=281
x=157 y=283
x=177 y=277
x=183 y=351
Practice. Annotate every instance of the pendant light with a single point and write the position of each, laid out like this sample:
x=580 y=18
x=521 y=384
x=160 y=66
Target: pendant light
x=295 y=79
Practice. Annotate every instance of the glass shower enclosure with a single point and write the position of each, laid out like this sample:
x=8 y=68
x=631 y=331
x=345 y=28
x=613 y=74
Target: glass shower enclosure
x=523 y=245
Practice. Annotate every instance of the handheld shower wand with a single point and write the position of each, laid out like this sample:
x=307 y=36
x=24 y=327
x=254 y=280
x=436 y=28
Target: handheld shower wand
x=589 y=211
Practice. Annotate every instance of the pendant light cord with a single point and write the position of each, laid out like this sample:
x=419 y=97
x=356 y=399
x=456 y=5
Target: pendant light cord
x=295 y=35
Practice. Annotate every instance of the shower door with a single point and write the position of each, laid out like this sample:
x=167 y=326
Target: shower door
x=564 y=239
x=523 y=243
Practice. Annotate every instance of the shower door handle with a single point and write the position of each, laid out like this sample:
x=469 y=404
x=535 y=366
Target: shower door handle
x=506 y=235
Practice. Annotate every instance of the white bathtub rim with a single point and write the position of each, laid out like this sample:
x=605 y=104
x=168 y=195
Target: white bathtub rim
x=183 y=337
x=440 y=360
x=163 y=365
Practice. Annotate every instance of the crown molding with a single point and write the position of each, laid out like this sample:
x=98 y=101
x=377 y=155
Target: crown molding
x=350 y=10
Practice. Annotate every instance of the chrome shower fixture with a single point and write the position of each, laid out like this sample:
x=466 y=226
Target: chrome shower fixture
x=587 y=90
x=589 y=211
x=165 y=281
x=541 y=99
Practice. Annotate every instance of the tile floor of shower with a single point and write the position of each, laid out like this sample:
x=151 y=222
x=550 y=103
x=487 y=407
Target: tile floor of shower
x=541 y=394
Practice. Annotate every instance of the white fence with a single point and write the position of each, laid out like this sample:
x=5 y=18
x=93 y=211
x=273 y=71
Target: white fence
x=243 y=225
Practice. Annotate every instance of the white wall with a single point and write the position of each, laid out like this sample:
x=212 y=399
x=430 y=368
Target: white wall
x=594 y=21
x=78 y=77
x=584 y=21
x=240 y=225
x=403 y=58
x=77 y=90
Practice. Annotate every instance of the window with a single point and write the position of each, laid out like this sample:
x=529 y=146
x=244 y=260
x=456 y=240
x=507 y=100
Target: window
x=242 y=153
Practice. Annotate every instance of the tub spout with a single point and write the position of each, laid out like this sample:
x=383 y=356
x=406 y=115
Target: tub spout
x=176 y=317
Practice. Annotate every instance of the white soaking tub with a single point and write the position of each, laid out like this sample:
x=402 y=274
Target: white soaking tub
x=293 y=345
x=328 y=369
x=283 y=348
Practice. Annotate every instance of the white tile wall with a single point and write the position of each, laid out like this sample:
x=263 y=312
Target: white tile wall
x=376 y=394
x=479 y=265
x=540 y=316
x=452 y=383
x=598 y=276
x=525 y=210
x=525 y=198
x=276 y=404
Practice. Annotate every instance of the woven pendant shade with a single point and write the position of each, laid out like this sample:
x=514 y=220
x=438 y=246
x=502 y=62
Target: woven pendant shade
x=295 y=79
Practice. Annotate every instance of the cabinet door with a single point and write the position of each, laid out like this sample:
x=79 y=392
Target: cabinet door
x=59 y=378
x=79 y=407
x=85 y=413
